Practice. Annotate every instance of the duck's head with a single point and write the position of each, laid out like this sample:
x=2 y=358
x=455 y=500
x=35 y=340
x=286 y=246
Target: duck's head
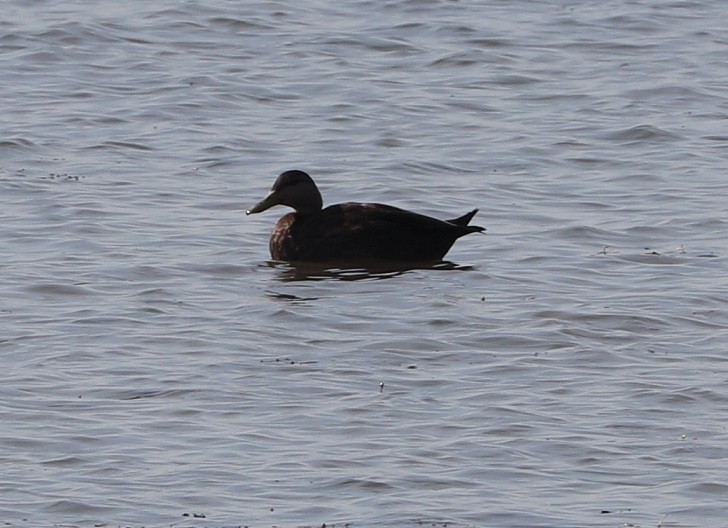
x=293 y=188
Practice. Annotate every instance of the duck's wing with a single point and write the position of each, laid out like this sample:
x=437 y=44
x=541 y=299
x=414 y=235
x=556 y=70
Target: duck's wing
x=374 y=215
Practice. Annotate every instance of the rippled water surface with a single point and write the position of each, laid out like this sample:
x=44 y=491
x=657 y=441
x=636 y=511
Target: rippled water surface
x=567 y=369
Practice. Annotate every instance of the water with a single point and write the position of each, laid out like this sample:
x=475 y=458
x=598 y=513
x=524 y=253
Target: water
x=568 y=370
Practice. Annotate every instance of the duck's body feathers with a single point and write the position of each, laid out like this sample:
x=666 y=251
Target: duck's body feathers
x=356 y=231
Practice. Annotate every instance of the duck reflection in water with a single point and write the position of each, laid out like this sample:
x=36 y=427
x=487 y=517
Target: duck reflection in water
x=355 y=235
x=314 y=271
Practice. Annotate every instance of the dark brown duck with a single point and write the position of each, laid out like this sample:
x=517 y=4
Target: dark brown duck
x=353 y=232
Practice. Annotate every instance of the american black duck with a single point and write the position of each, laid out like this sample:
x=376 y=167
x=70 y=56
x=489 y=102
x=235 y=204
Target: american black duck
x=353 y=232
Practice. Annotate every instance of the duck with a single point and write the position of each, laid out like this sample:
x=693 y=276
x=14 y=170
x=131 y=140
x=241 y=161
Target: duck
x=353 y=232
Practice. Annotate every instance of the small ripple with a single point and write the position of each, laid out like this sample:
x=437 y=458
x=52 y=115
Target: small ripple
x=59 y=289
x=515 y=80
x=76 y=508
x=148 y=394
x=367 y=484
x=67 y=461
x=654 y=258
x=715 y=488
x=490 y=42
x=457 y=59
x=382 y=45
x=16 y=143
x=640 y=134
x=667 y=93
x=237 y=24
x=120 y=145
x=584 y=233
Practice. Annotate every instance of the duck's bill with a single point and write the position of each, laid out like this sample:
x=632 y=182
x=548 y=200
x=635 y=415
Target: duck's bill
x=266 y=203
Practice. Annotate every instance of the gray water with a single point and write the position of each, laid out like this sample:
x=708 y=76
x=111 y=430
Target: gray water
x=568 y=369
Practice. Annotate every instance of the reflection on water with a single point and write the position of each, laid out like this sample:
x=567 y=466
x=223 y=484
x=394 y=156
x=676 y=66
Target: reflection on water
x=374 y=270
x=288 y=297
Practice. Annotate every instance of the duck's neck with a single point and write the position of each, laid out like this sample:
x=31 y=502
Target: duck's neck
x=307 y=201
x=305 y=214
x=308 y=210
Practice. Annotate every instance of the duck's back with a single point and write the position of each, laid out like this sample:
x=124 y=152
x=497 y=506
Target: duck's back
x=359 y=232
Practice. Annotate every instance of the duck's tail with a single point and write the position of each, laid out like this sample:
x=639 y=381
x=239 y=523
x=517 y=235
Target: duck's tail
x=465 y=220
